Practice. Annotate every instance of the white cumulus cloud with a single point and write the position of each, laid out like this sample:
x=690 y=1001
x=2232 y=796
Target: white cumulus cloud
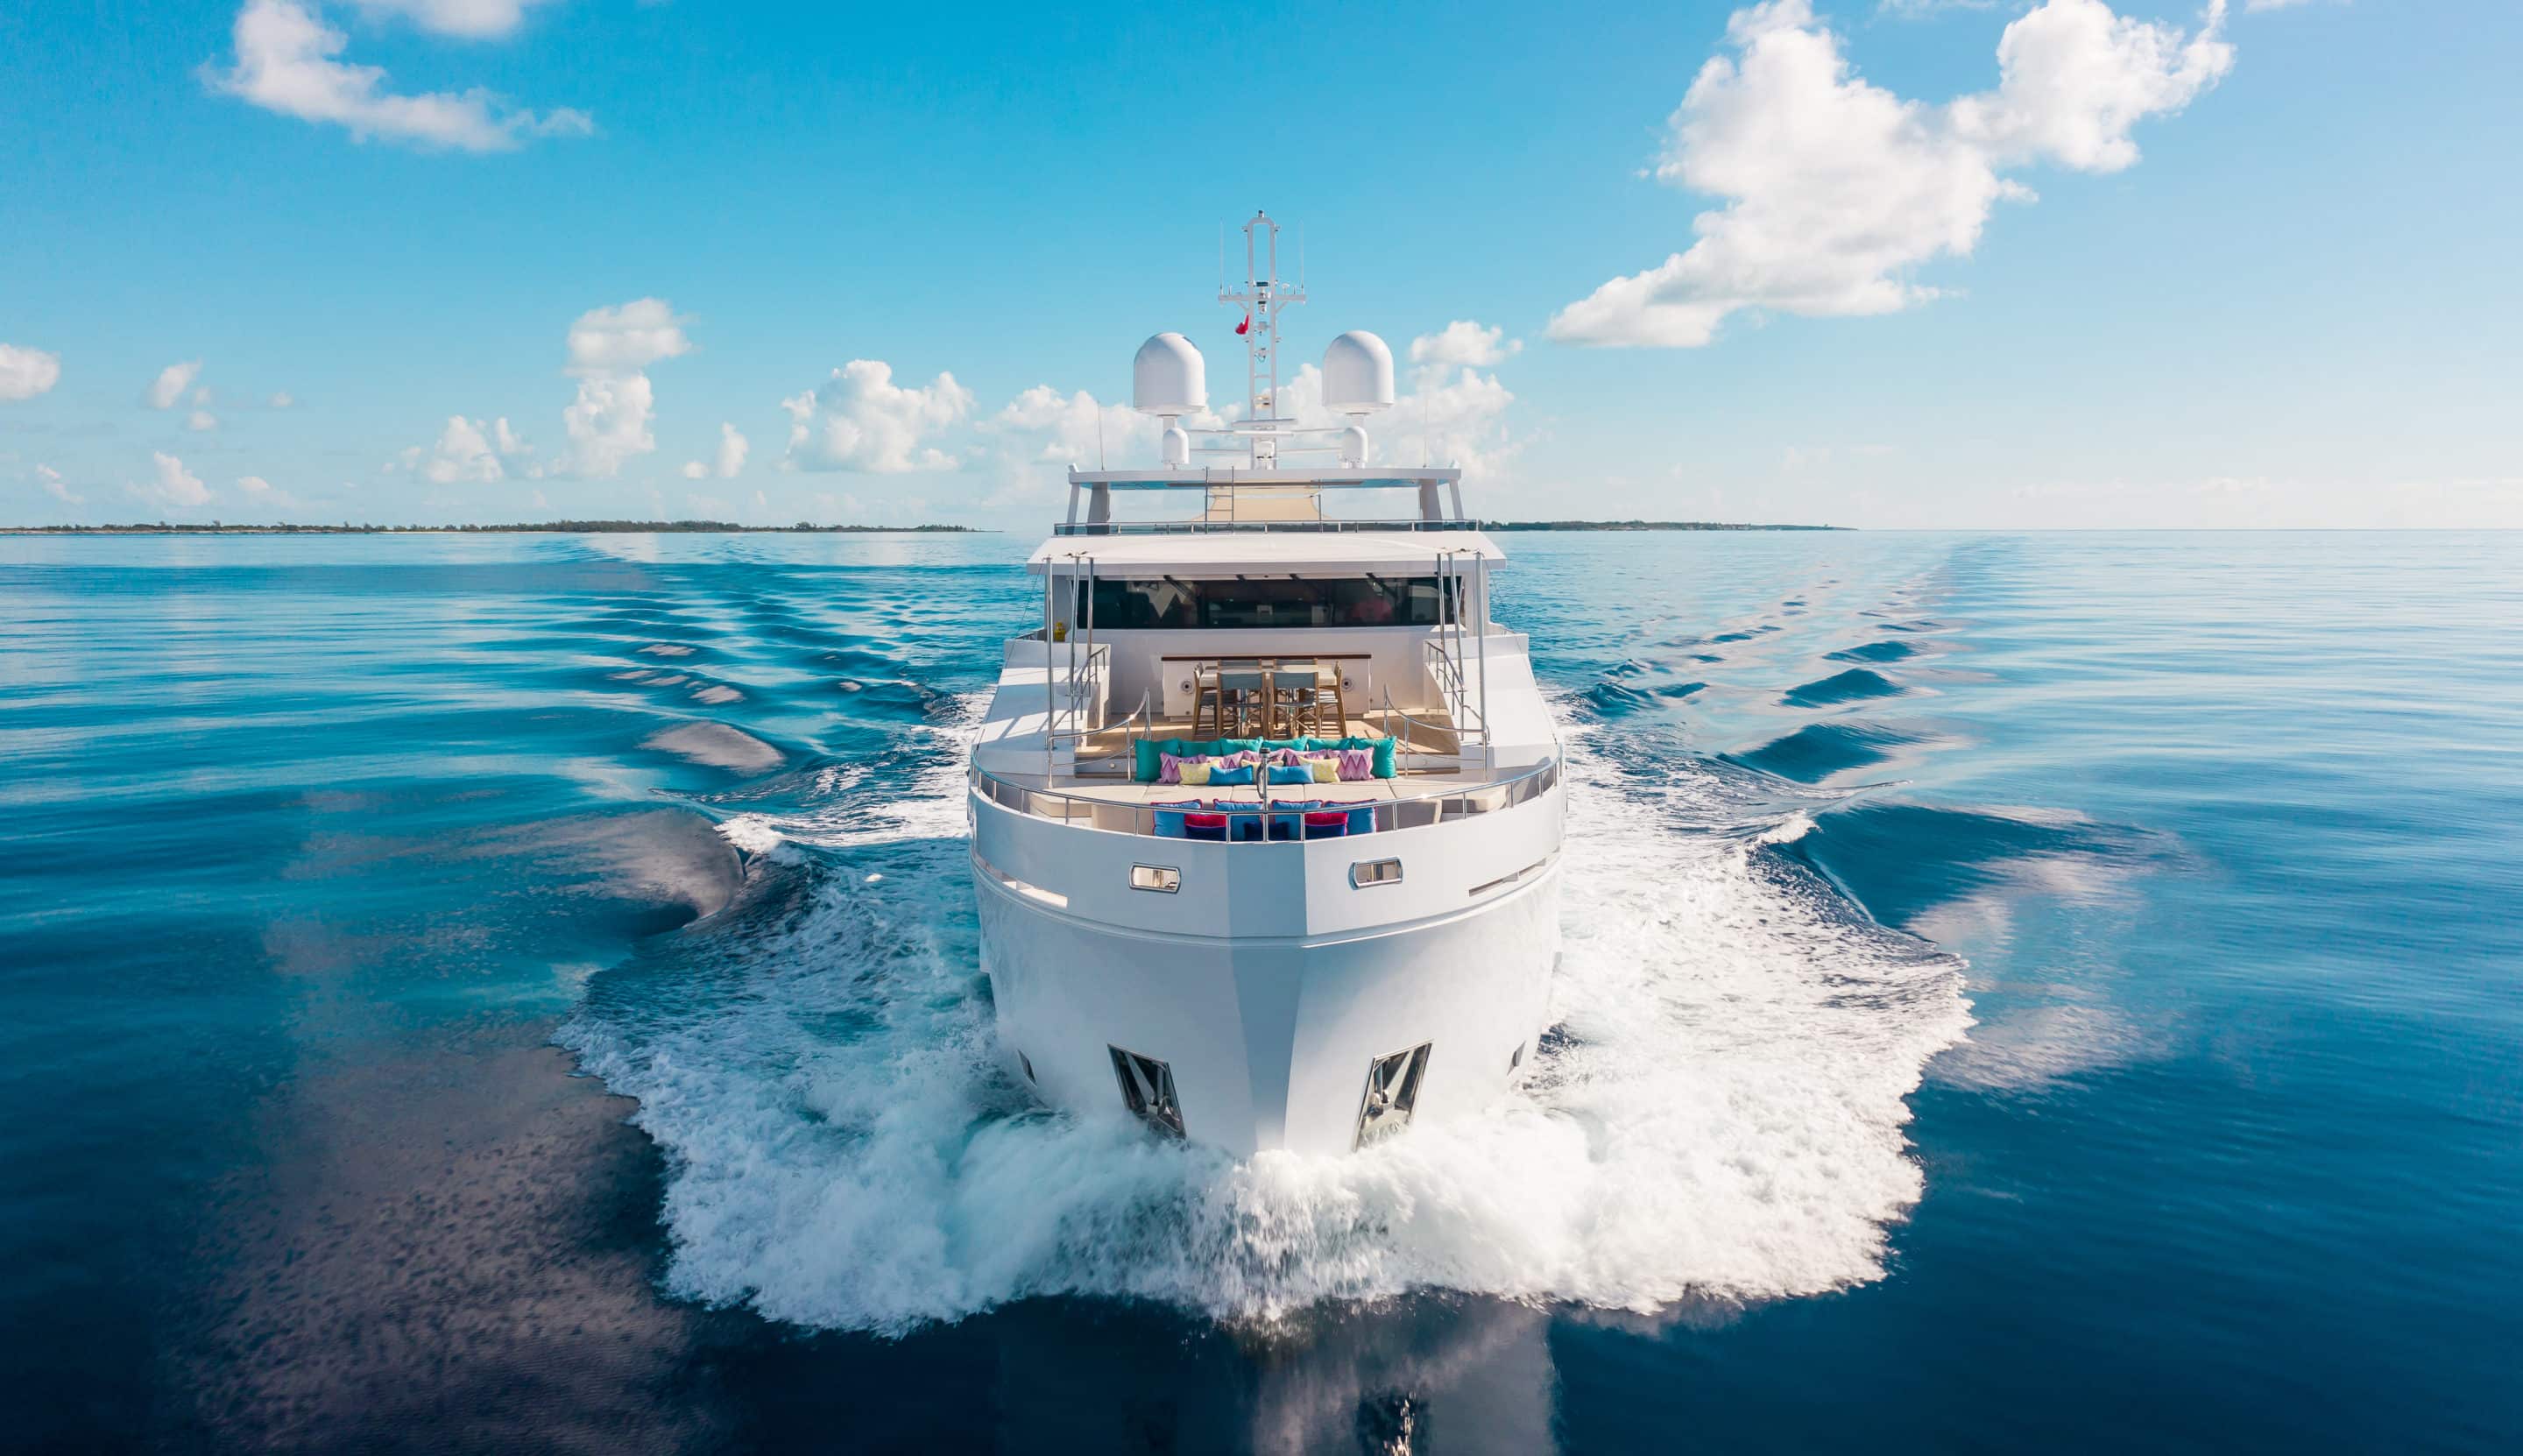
x=171 y=485
x=201 y=421
x=861 y=420
x=167 y=389
x=608 y=424
x=626 y=339
x=51 y=480
x=1043 y=430
x=288 y=62
x=27 y=372
x=1460 y=344
x=609 y=348
x=469 y=452
x=1454 y=414
x=1834 y=187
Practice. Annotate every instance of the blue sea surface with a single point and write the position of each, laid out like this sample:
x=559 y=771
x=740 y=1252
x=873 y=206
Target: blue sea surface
x=2057 y=991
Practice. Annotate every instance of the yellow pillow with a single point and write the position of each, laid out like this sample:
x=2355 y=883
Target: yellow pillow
x=1327 y=770
x=1195 y=775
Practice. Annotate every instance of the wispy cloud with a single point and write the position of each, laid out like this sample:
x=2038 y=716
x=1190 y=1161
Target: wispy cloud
x=288 y=60
x=470 y=19
x=166 y=390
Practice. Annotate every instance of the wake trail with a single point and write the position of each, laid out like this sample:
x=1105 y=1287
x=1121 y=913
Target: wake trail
x=1719 y=1116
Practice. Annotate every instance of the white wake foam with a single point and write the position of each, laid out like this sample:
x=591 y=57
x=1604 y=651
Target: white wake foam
x=1724 y=1119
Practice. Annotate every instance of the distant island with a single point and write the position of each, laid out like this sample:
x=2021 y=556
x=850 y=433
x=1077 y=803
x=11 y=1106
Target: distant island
x=565 y=528
x=1646 y=526
x=643 y=528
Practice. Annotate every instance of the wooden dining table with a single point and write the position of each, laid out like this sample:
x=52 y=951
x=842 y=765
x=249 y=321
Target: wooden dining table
x=1323 y=671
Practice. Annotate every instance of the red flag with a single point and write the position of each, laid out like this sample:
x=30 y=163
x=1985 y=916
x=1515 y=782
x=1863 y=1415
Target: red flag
x=1246 y=326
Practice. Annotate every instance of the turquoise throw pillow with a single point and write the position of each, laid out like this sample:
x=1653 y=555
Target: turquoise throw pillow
x=1231 y=777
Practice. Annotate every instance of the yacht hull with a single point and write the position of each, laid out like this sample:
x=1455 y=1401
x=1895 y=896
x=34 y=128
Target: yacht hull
x=1270 y=1042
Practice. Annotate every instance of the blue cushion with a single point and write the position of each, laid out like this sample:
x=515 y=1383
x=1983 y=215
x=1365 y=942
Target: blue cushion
x=1230 y=777
x=1286 y=774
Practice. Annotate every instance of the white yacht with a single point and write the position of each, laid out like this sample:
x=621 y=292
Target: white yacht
x=1265 y=815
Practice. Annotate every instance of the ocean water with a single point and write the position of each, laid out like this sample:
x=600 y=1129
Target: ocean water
x=521 y=992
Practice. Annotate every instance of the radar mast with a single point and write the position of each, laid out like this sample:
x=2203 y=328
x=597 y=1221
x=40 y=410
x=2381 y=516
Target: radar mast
x=1262 y=296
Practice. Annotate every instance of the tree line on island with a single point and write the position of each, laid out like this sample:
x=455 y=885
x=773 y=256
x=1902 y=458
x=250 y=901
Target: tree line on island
x=567 y=527
x=645 y=527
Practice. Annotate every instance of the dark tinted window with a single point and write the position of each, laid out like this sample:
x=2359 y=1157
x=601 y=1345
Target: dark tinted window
x=1125 y=605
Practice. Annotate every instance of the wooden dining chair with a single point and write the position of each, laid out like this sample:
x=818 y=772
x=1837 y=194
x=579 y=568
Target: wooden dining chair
x=1203 y=694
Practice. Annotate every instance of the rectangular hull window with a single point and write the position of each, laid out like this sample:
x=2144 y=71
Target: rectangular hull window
x=1367 y=872
x=1391 y=1092
x=1148 y=1091
x=1161 y=879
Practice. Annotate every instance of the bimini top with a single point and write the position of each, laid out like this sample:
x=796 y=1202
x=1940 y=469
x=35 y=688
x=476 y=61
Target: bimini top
x=1319 y=554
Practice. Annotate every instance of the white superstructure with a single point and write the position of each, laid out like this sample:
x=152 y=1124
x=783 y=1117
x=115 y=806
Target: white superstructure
x=1306 y=966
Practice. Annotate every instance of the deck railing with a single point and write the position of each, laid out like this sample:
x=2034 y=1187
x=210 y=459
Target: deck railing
x=1439 y=805
x=1193 y=527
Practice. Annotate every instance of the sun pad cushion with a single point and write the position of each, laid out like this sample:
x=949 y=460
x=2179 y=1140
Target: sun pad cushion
x=1151 y=752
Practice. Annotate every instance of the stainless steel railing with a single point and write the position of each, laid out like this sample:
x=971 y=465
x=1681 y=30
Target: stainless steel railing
x=1441 y=806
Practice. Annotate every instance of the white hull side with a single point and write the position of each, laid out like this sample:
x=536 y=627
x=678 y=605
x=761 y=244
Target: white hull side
x=1270 y=1038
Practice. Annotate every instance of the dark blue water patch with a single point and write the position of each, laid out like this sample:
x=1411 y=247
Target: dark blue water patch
x=1886 y=651
x=1819 y=750
x=1855 y=686
x=1679 y=690
x=1901 y=860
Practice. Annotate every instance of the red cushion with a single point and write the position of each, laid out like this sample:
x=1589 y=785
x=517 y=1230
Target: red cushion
x=1205 y=820
x=1326 y=821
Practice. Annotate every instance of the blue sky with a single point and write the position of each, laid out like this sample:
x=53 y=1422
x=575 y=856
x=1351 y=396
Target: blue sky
x=1908 y=264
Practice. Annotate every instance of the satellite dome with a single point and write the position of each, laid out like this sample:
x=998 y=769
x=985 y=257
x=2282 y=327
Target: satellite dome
x=1357 y=374
x=1169 y=378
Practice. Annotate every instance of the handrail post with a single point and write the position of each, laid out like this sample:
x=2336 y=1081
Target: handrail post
x=1050 y=706
x=1481 y=563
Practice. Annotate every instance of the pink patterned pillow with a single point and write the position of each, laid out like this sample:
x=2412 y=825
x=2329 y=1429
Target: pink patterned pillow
x=1169 y=767
x=1356 y=764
